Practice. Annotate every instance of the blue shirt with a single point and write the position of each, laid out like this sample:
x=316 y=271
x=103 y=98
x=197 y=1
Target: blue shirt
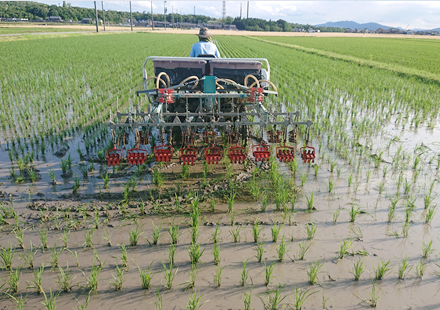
x=203 y=47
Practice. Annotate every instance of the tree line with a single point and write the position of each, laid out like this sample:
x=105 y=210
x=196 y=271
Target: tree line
x=35 y=10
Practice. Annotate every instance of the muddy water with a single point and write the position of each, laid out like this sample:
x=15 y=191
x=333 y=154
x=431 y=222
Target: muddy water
x=370 y=232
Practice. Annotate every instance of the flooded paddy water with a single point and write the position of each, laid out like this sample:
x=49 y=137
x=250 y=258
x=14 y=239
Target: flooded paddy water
x=374 y=205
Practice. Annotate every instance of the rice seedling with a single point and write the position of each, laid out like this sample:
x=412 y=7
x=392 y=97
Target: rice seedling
x=19 y=302
x=330 y=185
x=350 y=179
x=156 y=232
x=7 y=256
x=100 y=263
x=43 y=238
x=55 y=255
x=65 y=238
x=313 y=271
x=218 y=275
x=195 y=252
x=194 y=233
x=216 y=234
x=420 y=268
x=382 y=270
x=373 y=297
x=381 y=187
x=171 y=253
x=275 y=230
x=256 y=230
x=268 y=271
x=13 y=280
x=88 y=235
x=135 y=234
x=231 y=200
x=354 y=212
x=106 y=179
x=404 y=268
x=118 y=279
x=158 y=303
x=303 y=178
x=303 y=248
x=108 y=237
x=244 y=274
x=212 y=205
x=32 y=175
x=64 y=166
x=195 y=303
x=301 y=296
x=427 y=200
x=294 y=166
x=430 y=212
x=65 y=279
x=427 y=249
x=235 y=233
x=275 y=299
x=185 y=172
x=19 y=235
x=37 y=280
x=358 y=269
x=260 y=251
x=92 y=280
x=216 y=253
x=316 y=169
x=75 y=256
x=28 y=256
x=50 y=303
x=407 y=187
x=346 y=245
x=124 y=256
x=247 y=299
x=335 y=214
x=146 y=277
x=76 y=185
x=282 y=250
x=174 y=232
x=192 y=277
x=311 y=230
x=310 y=206
x=169 y=275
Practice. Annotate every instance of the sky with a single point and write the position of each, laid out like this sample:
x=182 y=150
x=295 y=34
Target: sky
x=404 y=14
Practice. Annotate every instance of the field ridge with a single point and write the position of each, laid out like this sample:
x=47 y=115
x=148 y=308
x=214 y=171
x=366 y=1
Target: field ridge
x=428 y=76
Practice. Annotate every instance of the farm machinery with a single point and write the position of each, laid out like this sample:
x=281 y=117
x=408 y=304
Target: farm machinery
x=208 y=108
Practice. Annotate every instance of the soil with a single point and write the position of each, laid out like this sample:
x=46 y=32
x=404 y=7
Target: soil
x=221 y=32
x=370 y=232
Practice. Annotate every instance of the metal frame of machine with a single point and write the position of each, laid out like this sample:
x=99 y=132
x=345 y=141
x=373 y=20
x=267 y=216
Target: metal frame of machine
x=203 y=103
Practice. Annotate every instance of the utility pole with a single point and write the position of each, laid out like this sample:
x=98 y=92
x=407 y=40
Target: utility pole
x=96 y=17
x=172 y=14
x=247 y=17
x=152 y=19
x=165 y=15
x=240 y=9
x=103 y=13
x=131 y=18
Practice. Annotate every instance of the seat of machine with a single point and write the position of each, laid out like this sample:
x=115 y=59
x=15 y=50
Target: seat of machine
x=235 y=70
x=180 y=69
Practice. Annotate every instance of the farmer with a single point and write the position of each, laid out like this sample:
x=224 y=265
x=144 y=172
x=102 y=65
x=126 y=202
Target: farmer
x=205 y=45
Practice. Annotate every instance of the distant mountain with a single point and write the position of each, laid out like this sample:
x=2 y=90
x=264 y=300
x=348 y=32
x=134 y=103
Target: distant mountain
x=353 y=25
x=436 y=29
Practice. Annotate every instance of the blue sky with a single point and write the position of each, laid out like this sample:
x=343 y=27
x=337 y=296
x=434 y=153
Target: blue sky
x=411 y=14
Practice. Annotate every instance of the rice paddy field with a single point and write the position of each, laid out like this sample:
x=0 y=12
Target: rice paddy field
x=355 y=229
